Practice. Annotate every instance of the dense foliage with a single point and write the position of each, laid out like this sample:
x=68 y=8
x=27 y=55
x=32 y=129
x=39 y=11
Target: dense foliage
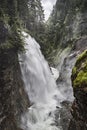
x=17 y=14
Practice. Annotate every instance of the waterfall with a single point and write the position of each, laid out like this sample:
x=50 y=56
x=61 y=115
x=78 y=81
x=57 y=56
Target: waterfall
x=40 y=87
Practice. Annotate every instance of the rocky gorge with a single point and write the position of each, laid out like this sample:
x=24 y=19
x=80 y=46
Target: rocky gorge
x=68 y=39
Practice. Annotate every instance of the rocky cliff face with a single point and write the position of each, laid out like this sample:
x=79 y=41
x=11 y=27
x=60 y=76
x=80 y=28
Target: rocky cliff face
x=73 y=22
x=79 y=83
x=13 y=98
x=67 y=27
x=68 y=22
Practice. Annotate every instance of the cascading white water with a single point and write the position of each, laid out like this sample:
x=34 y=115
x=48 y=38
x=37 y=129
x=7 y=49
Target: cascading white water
x=40 y=86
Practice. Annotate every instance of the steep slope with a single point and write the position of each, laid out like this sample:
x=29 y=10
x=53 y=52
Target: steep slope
x=15 y=16
x=79 y=83
x=13 y=98
x=67 y=35
x=67 y=23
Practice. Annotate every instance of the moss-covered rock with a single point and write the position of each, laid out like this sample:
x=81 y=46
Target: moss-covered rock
x=79 y=72
x=81 y=79
x=82 y=57
x=79 y=83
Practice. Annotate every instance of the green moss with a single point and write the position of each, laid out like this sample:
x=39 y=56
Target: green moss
x=81 y=57
x=74 y=70
x=79 y=72
x=81 y=79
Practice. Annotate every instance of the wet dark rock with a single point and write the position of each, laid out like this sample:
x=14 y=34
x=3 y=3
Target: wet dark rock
x=66 y=103
x=3 y=32
x=63 y=115
x=57 y=107
x=13 y=98
x=81 y=44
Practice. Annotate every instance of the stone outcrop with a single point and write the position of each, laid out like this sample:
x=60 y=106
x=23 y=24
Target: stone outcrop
x=79 y=83
x=13 y=98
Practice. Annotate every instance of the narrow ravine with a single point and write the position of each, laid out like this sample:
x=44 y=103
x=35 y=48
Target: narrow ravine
x=38 y=93
x=41 y=88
